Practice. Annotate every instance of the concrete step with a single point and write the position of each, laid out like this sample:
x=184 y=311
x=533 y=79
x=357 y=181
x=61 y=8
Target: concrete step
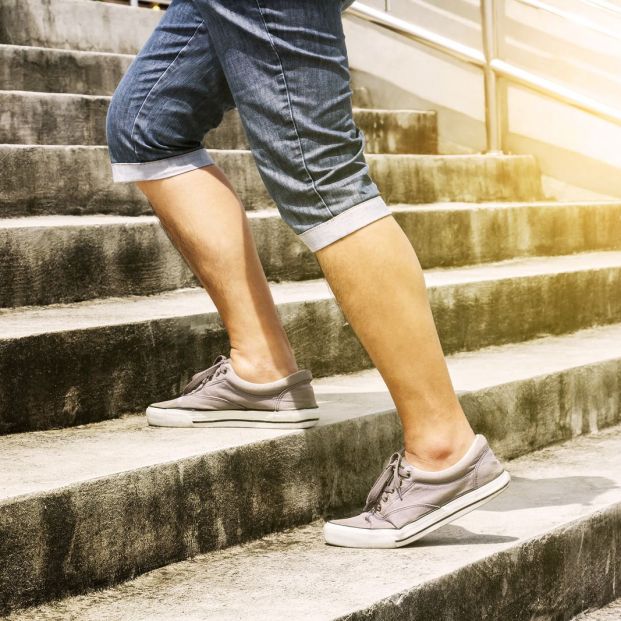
x=55 y=259
x=48 y=70
x=95 y=360
x=76 y=25
x=63 y=119
x=77 y=180
x=611 y=612
x=91 y=506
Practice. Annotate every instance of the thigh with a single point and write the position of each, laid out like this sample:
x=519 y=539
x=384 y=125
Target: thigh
x=175 y=89
x=286 y=65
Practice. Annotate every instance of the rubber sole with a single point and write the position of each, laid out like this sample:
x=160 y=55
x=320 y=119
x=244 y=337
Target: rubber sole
x=351 y=537
x=286 y=419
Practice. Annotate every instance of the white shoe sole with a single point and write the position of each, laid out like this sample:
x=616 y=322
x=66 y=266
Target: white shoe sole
x=351 y=537
x=285 y=419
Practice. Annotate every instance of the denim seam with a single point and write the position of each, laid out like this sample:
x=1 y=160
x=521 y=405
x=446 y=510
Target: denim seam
x=174 y=60
x=338 y=215
x=295 y=128
x=343 y=213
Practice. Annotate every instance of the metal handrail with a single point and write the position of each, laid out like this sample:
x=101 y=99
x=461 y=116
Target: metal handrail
x=571 y=17
x=604 y=5
x=492 y=66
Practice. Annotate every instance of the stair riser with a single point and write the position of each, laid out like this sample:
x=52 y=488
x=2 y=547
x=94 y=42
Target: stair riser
x=76 y=25
x=44 y=70
x=60 y=71
x=82 y=376
x=553 y=577
x=75 y=180
x=63 y=263
x=157 y=515
x=32 y=118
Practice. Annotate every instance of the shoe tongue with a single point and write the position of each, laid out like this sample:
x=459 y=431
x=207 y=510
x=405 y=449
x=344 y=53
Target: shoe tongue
x=205 y=375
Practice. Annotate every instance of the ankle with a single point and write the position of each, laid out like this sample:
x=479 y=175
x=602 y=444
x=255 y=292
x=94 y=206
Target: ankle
x=439 y=451
x=262 y=369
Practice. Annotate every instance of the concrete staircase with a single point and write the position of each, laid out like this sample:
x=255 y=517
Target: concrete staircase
x=99 y=316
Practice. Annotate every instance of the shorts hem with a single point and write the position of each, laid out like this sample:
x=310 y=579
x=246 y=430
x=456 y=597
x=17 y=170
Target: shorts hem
x=344 y=223
x=160 y=169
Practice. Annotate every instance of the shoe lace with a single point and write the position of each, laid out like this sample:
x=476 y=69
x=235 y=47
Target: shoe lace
x=202 y=377
x=389 y=481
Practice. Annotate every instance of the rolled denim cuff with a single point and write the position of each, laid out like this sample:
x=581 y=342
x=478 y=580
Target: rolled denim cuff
x=160 y=169
x=345 y=223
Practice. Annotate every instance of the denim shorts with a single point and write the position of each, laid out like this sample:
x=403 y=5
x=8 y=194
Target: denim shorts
x=283 y=65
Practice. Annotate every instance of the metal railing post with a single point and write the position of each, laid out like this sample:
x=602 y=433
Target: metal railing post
x=490 y=44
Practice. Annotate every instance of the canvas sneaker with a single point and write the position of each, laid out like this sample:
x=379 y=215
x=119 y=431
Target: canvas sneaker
x=218 y=397
x=407 y=503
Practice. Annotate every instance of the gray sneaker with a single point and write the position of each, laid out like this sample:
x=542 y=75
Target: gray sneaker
x=218 y=397
x=406 y=503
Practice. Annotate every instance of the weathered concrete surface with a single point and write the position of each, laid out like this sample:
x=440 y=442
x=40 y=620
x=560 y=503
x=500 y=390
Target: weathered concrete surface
x=460 y=234
x=75 y=180
x=93 y=360
x=49 y=70
x=76 y=25
x=52 y=259
x=53 y=118
x=545 y=549
x=26 y=68
x=611 y=612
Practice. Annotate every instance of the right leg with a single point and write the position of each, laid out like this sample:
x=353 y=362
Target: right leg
x=173 y=93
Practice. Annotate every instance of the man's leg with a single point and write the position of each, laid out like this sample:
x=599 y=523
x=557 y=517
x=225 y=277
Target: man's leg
x=286 y=65
x=173 y=93
x=208 y=225
x=378 y=282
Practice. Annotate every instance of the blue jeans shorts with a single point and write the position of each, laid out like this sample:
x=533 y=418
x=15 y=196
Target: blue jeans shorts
x=283 y=65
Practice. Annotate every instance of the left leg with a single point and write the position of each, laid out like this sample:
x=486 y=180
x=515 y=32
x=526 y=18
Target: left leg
x=286 y=65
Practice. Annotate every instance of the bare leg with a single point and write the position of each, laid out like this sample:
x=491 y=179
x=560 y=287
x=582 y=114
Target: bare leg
x=376 y=278
x=207 y=223
x=378 y=282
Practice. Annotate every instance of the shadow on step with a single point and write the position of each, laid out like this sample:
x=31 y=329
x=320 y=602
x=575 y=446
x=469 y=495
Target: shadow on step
x=451 y=534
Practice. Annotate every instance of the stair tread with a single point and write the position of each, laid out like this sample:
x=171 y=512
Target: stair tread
x=41 y=461
x=294 y=575
x=60 y=50
x=611 y=612
x=456 y=157
x=61 y=220
x=27 y=321
x=65 y=96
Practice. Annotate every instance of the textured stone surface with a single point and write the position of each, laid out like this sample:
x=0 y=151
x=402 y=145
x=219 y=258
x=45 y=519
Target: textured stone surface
x=51 y=259
x=76 y=180
x=545 y=549
x=611 y=612
x=46 y=118
x=94 y=360
x=76 y=25
x=45 y=70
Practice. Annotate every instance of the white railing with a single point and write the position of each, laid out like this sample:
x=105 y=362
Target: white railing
x=492 y=66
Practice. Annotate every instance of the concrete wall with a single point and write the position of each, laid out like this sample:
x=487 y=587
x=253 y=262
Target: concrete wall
x=578 y=152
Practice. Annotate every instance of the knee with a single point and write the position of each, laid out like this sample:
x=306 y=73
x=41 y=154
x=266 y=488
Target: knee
x=147 y=127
